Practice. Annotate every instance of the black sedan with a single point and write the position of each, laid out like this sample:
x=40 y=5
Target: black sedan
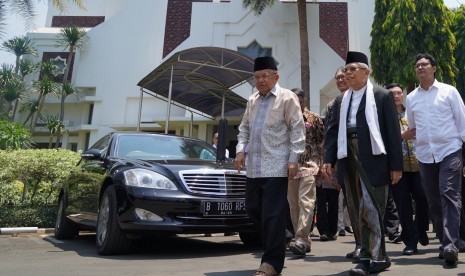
x=131 y=184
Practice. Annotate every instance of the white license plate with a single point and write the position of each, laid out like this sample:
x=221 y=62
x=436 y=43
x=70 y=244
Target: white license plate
x=224 y=208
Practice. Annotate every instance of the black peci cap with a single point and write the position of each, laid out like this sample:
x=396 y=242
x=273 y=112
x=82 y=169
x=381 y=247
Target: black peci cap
x=262 y=63
x=356 y=57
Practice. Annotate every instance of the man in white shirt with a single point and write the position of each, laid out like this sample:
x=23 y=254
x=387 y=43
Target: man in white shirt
x=437 y=112
x=215 y=143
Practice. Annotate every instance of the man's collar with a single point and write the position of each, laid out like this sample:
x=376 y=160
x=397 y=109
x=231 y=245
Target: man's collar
x=435 y=84
x=273 y=91
x=361 y=89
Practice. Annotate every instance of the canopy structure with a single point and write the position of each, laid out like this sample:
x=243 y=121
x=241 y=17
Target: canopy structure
x=202 y=78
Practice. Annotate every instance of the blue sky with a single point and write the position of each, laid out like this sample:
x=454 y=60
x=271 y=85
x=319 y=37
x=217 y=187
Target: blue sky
x=15 y=25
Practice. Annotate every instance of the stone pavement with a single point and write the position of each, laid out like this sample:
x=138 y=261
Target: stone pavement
x=182 y=255
x=328 y=258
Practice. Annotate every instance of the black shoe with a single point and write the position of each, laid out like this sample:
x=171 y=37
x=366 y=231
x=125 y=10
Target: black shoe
x=324 y=237
x=360 y=269
x=354 y=255
x=423 y=238
x=312 y=235
x=299 y=248
x=376 y=267
x=348 y=229
x=451 y=256
x=409 y=251
x=289 y=236
x=333 y=237
x=342 y=233
x=441 y=254
x=395 y=238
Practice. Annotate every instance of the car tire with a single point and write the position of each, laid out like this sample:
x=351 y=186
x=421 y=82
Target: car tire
x=110 y=238
x=250 y=239
x=64 y=227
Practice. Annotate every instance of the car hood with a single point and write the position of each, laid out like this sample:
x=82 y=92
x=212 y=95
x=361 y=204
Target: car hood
x=175 y=165
x=179 y=165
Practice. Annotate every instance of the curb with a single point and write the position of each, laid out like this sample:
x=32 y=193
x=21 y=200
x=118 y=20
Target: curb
x=18 y=230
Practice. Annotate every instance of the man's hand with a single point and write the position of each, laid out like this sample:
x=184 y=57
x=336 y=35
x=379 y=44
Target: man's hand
x=293 y=168
x=409 y=134
x=239 y=162
x=395 y=176
x=326 y=169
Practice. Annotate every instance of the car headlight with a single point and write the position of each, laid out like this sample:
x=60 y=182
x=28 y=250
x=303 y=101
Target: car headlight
x=148 y=179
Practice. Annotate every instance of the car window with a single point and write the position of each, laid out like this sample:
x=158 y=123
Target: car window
x=102 y=144
x=155 y=147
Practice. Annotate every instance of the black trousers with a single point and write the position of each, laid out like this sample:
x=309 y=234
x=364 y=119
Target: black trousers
x=391 y=217
x=406 y=191
x=266 y=203
x=327 y=201
x=443 y=187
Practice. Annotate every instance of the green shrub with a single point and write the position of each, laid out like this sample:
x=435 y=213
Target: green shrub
x=33 y=176
x=29 y=185
x=14 y=135
x=26 y=216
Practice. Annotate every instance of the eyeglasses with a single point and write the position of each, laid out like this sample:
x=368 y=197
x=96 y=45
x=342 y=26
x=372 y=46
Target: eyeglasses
x=263 y=76
x=339 y=78
x=421 y=65
x=352 y=69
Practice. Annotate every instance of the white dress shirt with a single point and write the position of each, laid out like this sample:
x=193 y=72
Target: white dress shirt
x=355 y=103
x=226 y=154
x=438 y=114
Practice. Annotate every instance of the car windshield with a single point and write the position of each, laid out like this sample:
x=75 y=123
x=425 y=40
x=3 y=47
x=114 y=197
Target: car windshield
x=159 y=147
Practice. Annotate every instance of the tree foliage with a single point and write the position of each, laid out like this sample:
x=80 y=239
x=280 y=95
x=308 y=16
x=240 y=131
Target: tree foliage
x=19 y=46
x=34 y=175
x=258 y=6
x=26 y=10
x=459 y=32
x=404 y=28
x=72 y=38
x=14 y=136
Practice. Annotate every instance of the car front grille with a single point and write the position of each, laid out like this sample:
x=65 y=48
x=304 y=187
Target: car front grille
x=214 y=182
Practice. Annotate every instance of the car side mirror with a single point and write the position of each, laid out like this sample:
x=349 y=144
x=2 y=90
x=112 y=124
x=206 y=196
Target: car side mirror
x=92 y=154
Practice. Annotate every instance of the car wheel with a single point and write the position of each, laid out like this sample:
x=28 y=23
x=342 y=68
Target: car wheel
x=111 y=239
x=64 y=228
x=250 y=239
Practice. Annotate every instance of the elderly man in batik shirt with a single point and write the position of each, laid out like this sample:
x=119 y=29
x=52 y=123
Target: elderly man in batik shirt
x=272 y=131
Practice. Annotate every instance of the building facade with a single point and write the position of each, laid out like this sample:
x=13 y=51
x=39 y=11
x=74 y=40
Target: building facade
x=128 y=39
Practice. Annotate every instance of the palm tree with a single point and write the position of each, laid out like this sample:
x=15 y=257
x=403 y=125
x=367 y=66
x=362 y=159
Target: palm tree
x=53 y=125
x=6 y=74
x=44 y=86
x=26 y=67
x=25 y=9
x=12 y=91
x=12 y=88
x=71 y=37
x=31 y=106
x=19 y=46
x=258 y=6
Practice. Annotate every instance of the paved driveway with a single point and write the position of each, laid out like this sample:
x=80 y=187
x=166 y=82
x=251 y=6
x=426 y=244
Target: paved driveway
x=41 y=254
